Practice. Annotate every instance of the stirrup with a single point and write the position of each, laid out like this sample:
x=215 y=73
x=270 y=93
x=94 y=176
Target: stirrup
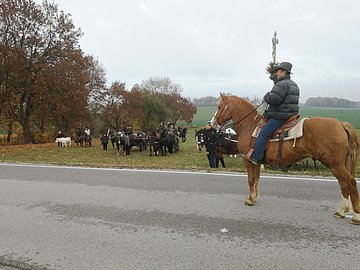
x=248 y=154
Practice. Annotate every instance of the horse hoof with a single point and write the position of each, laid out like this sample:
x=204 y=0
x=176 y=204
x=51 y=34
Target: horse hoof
x=338 y=215
x=355 y=221
x=249 y=202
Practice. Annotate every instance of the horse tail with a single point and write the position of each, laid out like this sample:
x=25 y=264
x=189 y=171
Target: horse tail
x=354 y=148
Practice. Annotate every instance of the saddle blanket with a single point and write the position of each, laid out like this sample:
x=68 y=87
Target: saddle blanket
x=293 y=133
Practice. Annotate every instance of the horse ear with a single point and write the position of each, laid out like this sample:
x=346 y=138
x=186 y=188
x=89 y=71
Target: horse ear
x=223 y=96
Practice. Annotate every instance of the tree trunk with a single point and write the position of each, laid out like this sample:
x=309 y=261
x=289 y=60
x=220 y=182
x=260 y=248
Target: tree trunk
x=25 y=112
x=10 y=130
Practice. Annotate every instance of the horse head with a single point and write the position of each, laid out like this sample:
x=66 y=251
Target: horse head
x=240 y=110
x=223 y=113
x=199 y=139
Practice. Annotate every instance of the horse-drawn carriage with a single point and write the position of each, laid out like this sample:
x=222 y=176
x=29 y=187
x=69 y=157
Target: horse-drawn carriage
x=139 y=140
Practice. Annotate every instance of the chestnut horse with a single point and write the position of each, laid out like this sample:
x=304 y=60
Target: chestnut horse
x=328 y=140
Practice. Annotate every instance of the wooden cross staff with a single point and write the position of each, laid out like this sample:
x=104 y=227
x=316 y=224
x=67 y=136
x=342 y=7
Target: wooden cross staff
x=274 y=42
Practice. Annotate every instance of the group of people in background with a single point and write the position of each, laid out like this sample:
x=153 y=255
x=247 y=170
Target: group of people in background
x=104 y=140
x=282 y=103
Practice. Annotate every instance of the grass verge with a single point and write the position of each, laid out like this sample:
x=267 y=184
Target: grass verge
x=188 y=158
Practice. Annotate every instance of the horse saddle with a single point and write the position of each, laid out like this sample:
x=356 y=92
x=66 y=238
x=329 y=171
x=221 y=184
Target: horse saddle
x=291 y=129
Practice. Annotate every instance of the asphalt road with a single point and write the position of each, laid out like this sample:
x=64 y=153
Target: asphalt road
x=89 y=218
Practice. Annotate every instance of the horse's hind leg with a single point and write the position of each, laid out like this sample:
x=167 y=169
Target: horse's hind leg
x=348 y=189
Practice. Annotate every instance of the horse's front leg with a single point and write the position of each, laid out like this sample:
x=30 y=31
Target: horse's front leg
x=253 y=172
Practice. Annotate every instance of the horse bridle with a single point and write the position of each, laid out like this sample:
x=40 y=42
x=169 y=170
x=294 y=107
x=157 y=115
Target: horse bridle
x=233 y=124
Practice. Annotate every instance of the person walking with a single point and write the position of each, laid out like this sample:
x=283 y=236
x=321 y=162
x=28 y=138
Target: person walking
x=282 y=100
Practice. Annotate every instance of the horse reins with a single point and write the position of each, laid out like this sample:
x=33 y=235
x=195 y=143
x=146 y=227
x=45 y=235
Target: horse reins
x=233 y=124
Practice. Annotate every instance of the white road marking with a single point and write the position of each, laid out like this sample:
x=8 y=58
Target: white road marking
x=229 y=174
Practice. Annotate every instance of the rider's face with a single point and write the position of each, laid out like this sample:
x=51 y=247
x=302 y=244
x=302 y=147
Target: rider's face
x=280 y=74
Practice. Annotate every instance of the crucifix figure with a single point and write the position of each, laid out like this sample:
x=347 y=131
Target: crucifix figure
x=274 y=42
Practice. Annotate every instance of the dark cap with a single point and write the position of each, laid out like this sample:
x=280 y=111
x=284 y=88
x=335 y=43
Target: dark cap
x=284 y=66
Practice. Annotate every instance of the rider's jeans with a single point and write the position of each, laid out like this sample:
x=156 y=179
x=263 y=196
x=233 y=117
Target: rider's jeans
x=270 y=127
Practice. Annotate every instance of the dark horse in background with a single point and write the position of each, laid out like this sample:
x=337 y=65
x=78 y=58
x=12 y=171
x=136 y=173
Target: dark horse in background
x=199 y=139
x=81 y=138
x=335 y=144
x=226 y=143
x=87 y=139
x=163 y=142
x=169 y=142
x=78 y=139
x=154 y=142
x=111 y=135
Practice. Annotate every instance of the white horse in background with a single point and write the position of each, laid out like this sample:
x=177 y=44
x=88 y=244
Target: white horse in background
x=65 y=142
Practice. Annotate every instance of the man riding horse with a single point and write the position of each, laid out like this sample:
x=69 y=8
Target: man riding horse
x=282 y=100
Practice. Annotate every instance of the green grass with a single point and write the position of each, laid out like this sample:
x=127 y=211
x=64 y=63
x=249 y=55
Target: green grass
x=203 y=114
x=351 y=115
x=343 y=114
x=188 y=158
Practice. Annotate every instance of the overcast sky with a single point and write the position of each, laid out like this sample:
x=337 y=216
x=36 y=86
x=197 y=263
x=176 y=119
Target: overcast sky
x=208 y=46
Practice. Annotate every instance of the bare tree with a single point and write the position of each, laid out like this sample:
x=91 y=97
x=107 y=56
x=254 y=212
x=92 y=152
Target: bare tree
x=161 y=85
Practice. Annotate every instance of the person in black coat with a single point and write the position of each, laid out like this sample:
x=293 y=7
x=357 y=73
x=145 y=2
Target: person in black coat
x=210 y=143
x=104 y=141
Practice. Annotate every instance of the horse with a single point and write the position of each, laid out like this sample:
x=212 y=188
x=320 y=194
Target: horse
x=154 y=142
x=78 y=139
x=118 y=140
x=139 y=140
x=87 y=139
x=338 y=150
x=165 y=142
x=65 y=142
x=226 y=143
x=111 y=135
x=171 y=142
x=199 y=139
